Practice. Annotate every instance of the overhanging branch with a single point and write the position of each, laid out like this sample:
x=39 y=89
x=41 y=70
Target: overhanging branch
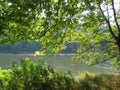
x=92 y=46
x=115 y=18
x=108 y=23
x=107 y=59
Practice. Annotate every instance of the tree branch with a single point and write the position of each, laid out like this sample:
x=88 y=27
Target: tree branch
x=92 y=46
x=107 y=59
x=108 y=22
x=115 y=18
x=108 y=11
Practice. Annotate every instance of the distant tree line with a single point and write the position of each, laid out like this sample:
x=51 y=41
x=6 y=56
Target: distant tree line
x=20 y=48
x=24 y=47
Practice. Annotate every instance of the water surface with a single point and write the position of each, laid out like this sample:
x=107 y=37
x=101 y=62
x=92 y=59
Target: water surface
x=61 y=62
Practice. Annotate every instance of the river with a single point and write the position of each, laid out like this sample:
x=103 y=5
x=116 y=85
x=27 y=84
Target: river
x=61 y=62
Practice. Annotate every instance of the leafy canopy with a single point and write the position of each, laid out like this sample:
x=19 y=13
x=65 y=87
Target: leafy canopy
x=94 y=24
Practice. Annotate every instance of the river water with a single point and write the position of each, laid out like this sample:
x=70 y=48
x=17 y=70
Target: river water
x=61 y=62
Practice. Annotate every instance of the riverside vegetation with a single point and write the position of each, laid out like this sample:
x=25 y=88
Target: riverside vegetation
x=38 y=76
x=53 y=23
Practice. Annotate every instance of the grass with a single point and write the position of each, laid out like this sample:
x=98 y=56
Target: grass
x=89 y=81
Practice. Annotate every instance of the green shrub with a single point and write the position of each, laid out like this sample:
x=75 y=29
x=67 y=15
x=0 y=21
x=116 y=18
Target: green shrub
x=89 y=81
x=5 y=76
x=32 y=76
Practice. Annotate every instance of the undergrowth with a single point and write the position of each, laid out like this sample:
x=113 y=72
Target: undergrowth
x=38 y=76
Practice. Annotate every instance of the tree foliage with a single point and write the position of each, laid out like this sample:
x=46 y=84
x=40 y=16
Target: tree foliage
x=92 y=23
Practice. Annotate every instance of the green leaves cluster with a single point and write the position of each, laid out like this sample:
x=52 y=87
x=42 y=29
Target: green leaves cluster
x=56 y=22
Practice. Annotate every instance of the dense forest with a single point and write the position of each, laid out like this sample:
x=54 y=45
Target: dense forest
x=32 y=47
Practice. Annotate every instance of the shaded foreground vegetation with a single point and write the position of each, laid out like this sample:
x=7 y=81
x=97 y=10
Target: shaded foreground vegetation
x=38 y=76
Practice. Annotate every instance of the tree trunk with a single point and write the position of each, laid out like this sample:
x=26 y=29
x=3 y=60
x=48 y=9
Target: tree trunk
x=118 y=42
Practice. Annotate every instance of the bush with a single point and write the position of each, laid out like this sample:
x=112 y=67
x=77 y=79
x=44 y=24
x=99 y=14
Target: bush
x=32 y=76
x=89 y=81
x=5 y=76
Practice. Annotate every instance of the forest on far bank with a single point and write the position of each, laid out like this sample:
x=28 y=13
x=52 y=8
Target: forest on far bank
x=31 y=47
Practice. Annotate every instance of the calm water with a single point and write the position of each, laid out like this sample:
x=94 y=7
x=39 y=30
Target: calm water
x=60 y=62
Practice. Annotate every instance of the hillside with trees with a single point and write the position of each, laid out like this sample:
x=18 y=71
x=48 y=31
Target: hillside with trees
x=30 y=48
